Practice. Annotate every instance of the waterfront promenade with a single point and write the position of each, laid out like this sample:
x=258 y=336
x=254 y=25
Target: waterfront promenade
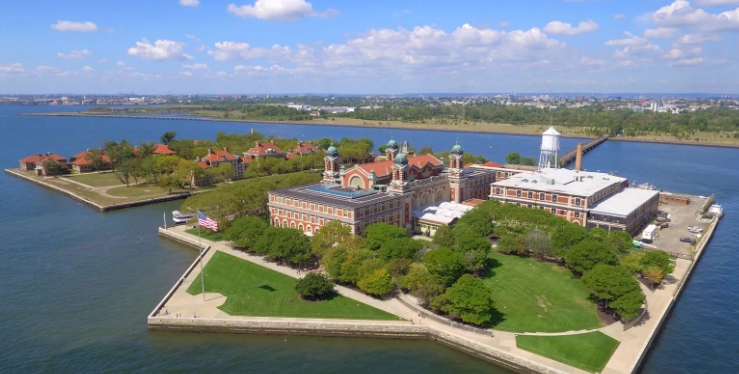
x=182 y=311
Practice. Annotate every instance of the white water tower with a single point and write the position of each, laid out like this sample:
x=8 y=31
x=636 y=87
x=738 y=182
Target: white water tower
x=549 y=157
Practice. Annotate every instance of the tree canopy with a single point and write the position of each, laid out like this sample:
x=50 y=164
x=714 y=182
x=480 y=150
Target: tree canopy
x=314 y=286
x=584 y=255
x=469 y=299
x=445 y=264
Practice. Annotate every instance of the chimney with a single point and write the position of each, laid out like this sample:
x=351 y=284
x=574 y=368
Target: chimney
x=300 y=143
x=256 y=144
x=210 y=151
x=578 y=157
x=225 y=149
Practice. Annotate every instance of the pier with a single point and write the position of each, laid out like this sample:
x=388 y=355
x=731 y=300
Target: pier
x=570 y=156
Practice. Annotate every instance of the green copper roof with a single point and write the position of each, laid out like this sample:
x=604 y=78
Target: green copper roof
x=401 y=159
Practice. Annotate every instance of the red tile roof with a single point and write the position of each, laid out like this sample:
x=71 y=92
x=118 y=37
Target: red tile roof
x=493 y=164
x=218 y=156
x=161 y=149
x=43 y=156
x=81 y=160
x=260 y=149
x=304 y=148
x=386 y=167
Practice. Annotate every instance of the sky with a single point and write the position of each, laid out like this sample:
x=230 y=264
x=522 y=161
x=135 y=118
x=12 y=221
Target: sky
x=369 y=47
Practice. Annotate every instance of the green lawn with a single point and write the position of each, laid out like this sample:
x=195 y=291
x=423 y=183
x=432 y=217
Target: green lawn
x=535 y=296
x=96 y=179
x=140 y=190
x=590 y=351
x=252 y=290
x=207 y=234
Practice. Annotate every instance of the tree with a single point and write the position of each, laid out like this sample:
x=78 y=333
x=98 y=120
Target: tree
x=628 y=305
x=632 y=262
x=620 y=241
x=566 y=236
x=190 y=171
x=398 y=267
x=468 y=299
x=475 y=250
x=95 y=158
x=284 y=244
x=146 y=149
x=223 y=172
x=513 y=158
x=654 y=274
x=426 y=151
x=167 y=164
x=444 y=237
x=52 y=167
x=379 y=233
x=332 y=260
x=167 y=137
x=351 y=268
x=530 y=161
x=445 y=264
x=416 y=277
x=332 y=233
x=399 y=248
x=245 y=231
x=170 y=182
x=609 y=283
x=598 y=234
x=125 y=170
x=378 y=283
x=512 y=244
x=658 y=259
x=539 y=243
x=587 y=254
x=314 y=286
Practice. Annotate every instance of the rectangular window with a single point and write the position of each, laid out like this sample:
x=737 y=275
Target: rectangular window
x=542 y=196
x=497 y=190
x=554 y=198
x=577 y=201
x=518 y=193
x=528 y=205
x=554 y=210
x=531 y=195
x=577 y=214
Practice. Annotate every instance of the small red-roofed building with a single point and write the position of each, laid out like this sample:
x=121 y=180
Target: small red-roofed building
x=36 y=162
x=303 y=149
x=82 y=165
x=215 y=158
x=161 y=149
x=268 y=149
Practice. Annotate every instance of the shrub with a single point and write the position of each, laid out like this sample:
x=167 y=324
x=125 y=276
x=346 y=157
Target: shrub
x=378 y=283
x=314 y=286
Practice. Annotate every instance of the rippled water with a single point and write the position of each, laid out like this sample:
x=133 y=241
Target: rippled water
x=76 y=284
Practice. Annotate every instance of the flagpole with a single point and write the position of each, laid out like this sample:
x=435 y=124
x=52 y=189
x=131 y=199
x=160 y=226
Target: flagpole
x=200 y=246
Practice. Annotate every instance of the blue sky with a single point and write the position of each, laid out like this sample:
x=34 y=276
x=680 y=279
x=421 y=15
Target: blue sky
x=366 y=47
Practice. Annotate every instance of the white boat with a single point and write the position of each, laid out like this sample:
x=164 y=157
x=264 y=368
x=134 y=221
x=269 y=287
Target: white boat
x=179 y=217
x=716 y=210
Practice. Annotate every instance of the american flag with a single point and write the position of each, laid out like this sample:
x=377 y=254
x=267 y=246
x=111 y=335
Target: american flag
x=206 y=222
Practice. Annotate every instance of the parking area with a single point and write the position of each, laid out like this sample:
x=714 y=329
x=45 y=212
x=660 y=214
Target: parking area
x=681 y=216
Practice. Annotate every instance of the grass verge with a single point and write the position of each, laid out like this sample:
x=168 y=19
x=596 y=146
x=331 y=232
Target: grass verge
x=535 y=296
x=252 y=290
x=207 y=234
x=590 y=351
x=96 y=179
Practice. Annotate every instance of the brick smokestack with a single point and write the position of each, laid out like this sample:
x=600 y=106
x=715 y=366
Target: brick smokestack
x=578 y=157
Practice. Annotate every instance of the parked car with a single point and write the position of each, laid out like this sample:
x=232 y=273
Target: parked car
x=687 y=239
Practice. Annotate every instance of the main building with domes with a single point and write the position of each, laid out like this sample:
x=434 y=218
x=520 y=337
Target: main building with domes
x=387 y=191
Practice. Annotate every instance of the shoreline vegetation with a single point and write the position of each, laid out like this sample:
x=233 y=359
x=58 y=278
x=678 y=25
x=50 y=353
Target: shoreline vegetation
x=706 y=139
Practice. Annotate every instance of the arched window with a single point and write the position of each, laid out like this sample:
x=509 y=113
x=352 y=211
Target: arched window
x=277 y=222
x=292 y=225
x=356 y=181
x=439 y=196
x=308 y=229
x=300 y=227
x=284 y=223
x=425 y=199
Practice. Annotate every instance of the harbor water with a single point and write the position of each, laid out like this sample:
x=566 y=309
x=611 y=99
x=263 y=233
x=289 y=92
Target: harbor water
x=76 y=284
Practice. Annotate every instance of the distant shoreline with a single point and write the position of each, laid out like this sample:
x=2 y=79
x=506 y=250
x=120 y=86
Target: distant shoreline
x=412 y=126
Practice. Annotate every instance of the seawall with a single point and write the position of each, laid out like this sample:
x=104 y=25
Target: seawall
x=93 y=204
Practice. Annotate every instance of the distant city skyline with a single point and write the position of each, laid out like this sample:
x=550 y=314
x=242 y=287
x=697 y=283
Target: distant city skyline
x=379 y=47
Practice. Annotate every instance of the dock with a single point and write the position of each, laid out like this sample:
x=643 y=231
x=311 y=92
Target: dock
x=570 y=156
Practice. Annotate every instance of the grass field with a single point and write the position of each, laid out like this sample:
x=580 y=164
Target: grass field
x=535 y=296
x=141 y=190
x=207 y=234
x=96 y=179
x=252 y=290
x=590 y=351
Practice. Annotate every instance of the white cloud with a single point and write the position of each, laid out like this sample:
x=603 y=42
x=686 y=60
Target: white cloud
x=189 y=2
x=630 y=40
x=619 y=16
x=221 y=74
x=278 y=10
x=227 y=51
x=102 y=60
x=561 y=28
x=88 y=69
x=700 y=38
x=193 y=37
x=716 y=2
x=504 y=24
x=159 y=51
x=75 y=55
x=74 y=26
x=677 y=53
x=186 y=73
x=661 y=33
x=681 y=14
x=592 y=61
x=12 y=68
x=196 y=67
x=688 y=62
x=120 y=63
